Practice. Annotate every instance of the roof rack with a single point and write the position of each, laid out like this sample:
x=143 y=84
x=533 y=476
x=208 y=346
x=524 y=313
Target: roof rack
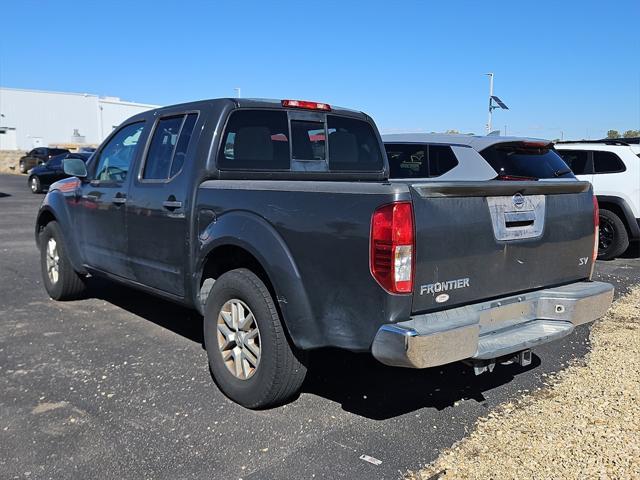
x=606 y=141
x=627 y=140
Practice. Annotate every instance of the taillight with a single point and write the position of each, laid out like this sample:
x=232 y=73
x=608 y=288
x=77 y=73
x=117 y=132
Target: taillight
x=305 y=104
x=393 y=247
x=596 y=233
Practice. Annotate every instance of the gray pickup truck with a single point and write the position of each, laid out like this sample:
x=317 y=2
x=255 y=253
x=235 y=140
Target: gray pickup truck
x=276 y=220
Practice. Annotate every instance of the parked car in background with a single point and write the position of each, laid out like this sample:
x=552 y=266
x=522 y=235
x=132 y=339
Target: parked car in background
x=42 y=176
x=276 y=220
x=38 y=156
x=86 y=149
x=425 y=155
x=613 y=167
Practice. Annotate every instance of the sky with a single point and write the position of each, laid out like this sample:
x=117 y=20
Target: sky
x=566 y=69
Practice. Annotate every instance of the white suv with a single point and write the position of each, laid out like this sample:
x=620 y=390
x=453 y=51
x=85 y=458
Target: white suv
x=613 y=167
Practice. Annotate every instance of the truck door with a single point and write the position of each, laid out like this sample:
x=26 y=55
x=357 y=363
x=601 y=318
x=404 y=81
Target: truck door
x=157 y=206
x=101 y=219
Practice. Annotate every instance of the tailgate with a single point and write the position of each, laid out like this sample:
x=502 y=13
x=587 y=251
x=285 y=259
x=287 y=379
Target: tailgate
x=481 y=240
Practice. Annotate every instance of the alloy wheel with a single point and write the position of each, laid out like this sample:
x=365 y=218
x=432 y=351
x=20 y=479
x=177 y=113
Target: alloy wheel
x=607 y=234
x=239 y=339
x=53 y=261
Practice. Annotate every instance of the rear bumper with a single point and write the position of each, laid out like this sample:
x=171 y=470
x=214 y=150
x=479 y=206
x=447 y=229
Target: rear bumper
x=491 y=329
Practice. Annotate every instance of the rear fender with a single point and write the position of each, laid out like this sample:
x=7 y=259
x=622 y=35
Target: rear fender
x=255 y=235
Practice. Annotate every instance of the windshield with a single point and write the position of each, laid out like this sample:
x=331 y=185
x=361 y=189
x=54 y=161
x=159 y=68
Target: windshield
x=527 y=160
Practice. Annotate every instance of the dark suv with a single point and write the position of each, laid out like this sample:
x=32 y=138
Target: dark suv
x=37 y=156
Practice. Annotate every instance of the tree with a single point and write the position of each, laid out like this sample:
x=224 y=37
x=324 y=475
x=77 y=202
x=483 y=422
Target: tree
x=631 y=133
x=613 y=134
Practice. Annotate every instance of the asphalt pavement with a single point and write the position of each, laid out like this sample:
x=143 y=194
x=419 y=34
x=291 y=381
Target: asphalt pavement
x=116 y=386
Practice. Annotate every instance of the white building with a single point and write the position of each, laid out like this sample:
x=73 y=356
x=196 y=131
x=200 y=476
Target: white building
x=32 y=118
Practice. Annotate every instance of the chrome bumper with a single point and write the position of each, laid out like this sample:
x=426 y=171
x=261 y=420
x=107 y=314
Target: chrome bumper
x=491 y=329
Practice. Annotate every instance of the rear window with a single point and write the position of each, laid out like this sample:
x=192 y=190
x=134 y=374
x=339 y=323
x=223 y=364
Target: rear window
x=607 y=162
x=577 y=160
x=419 y=161
x=256 y=140
x=353 y=146
x=308 y=140
x=263 y=140
x=526 y=161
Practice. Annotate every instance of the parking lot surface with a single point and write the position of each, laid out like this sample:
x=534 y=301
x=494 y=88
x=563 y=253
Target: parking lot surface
x=117 y=386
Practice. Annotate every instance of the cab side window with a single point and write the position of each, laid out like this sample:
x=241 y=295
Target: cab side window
x=117 y=155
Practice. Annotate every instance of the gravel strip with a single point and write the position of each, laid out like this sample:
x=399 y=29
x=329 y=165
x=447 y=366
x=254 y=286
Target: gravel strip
x=584 y=424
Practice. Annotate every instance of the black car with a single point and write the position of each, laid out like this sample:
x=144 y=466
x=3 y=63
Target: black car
x=38 y=156
x=44 y=175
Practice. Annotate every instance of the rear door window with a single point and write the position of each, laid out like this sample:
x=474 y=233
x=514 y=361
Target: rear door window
x=607 y=162
x=180 y=154
x=407 y=160
x=353 y=145
x=168 y=147
x=577 y=160
x=256 y=140
x=526 y=160
x=419 y=161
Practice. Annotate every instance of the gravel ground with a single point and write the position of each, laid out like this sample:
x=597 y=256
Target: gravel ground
x=584 y=424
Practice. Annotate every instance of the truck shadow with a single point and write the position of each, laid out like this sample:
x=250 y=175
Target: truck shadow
x=358 y=382
x=633 y=251
x=183 y=321
x=365 y=387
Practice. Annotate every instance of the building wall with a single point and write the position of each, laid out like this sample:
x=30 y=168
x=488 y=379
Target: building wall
x=45 y=118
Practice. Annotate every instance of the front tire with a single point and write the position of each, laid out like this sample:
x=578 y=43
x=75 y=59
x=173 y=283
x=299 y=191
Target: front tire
x=251 y=359
x=34 y=184
x=22 y=167
x=614 y=239
x=60 y=280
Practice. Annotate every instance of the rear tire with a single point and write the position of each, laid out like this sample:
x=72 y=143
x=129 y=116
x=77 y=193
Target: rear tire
x=250 y=356
x=34 y=184
x=60 y=280
x=614 y=239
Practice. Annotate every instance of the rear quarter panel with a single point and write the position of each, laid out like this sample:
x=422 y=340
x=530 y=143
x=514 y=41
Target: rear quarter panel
x=321 y=277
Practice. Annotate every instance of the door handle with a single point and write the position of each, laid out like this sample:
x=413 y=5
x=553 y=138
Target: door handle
x=171 y=204
x=119 y=199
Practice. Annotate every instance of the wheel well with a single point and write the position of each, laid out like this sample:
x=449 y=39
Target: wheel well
x=43 y=220
x=229 y=257
x=612 y=207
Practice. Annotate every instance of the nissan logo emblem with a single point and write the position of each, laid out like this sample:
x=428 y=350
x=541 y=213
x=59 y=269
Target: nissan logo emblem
x=518 y=200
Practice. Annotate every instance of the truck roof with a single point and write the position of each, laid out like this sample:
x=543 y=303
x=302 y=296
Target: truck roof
x=255 y=103
x=477 y=142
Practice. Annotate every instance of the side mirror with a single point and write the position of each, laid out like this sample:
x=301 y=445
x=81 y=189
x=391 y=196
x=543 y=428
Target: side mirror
x=74 y=167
